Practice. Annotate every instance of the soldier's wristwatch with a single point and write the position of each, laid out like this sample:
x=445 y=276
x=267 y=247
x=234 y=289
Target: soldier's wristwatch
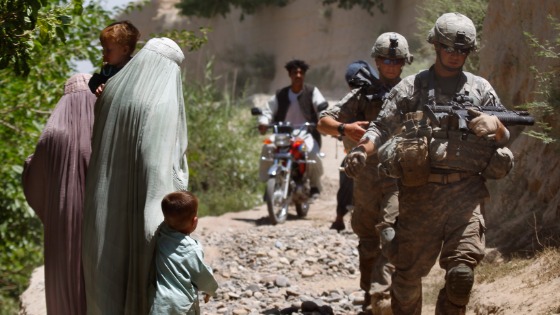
x=341 y=129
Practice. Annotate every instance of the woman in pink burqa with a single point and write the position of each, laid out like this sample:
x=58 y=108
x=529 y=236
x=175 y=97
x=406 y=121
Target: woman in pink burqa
x=54 y=183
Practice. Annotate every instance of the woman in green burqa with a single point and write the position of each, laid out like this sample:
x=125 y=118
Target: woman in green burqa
x=138 y=156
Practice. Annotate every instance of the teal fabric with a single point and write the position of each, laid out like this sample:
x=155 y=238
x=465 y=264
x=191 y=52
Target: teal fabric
x=138 y=146
x=181 y=273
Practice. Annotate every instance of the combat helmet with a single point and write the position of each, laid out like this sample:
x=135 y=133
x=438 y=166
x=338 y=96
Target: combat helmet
x=453 y=30
x=391 y=45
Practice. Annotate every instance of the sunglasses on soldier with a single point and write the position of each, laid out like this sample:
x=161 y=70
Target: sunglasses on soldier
x=389 y=61
x=451 y=50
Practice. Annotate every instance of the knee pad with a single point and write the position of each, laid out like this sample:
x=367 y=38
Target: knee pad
x=458 y=284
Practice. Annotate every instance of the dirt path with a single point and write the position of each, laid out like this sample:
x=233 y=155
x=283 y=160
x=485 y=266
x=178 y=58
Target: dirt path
x=322 y=212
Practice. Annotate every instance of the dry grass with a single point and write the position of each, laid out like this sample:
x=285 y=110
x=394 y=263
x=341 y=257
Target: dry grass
x=550 y=258
x=490 y=272
x=547 y=261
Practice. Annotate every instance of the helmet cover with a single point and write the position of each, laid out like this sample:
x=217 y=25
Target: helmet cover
x=453 y=30
x=391 y=45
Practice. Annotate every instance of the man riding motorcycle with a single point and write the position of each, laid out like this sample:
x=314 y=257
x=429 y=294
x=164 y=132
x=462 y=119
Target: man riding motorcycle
x=297 y=103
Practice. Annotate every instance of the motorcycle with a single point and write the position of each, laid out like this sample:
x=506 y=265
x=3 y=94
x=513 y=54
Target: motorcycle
x=286 y=183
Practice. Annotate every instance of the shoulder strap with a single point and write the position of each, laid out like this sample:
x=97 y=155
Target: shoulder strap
x=425 y=81
x=469 y=84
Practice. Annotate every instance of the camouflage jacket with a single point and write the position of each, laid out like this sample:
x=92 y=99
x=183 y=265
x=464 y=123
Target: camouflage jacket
x=357 y=105
x=413 y=92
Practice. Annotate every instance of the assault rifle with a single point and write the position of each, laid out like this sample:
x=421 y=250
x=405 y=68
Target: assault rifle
x=457 y=110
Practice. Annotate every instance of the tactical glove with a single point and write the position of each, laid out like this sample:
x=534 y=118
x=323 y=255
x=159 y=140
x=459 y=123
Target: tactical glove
x=489 y=127
x=355 y=161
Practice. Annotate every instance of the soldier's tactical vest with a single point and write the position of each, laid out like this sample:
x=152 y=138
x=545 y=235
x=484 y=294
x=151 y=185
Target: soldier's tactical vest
x=449 y=147
x=421 y=149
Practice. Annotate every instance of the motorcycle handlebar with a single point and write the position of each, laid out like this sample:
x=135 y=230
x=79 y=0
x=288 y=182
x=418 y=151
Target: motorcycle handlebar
x=283 y=127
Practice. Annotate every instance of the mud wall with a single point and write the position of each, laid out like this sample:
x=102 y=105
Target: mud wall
x=328 y=38
x=524 y=211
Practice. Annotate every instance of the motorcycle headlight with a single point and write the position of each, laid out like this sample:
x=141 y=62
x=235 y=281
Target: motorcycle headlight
x=281 y=140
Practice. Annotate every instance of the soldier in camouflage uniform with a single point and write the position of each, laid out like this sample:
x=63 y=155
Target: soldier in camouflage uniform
x=375 y=198
x=441 y=216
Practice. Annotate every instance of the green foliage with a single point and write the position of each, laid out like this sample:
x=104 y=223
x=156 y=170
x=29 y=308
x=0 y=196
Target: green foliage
x=430 y=10
x=212 y=8
x=368 y=5
x=21 y=235
x=28 y=25
x=188 y=39
x=547 y=104
x=223 y=153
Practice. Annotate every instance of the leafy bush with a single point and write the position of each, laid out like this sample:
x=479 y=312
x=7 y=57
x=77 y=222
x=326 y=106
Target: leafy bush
x=547 y=103
x=223 y=152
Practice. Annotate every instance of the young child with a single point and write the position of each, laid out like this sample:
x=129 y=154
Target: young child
x=180 y=268
x=118 y=41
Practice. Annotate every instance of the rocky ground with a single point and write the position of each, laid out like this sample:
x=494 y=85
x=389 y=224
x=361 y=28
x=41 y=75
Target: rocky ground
x=295 y=267
x=303 y=267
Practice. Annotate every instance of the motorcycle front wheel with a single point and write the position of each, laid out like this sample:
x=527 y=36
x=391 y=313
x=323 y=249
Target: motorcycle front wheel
x=277 y=205
x=302 y=208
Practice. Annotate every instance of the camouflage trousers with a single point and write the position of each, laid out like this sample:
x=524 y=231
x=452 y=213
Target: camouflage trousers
x=375 y=201
x=434 y=220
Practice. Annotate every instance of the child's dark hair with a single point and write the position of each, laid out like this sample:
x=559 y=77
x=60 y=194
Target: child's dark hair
x=296 y=63
x=122 y=32
x=179 y=206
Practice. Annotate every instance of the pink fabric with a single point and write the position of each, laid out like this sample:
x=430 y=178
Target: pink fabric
x=54 y=182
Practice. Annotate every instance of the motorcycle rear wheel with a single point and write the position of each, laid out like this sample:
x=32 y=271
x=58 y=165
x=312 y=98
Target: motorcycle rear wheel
x=277 y=205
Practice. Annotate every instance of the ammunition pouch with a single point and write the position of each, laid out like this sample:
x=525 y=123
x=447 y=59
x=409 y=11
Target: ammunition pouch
x=456 y=150
x=406 y=156
x=412 y=154
x=414 y=161
x=388 y=162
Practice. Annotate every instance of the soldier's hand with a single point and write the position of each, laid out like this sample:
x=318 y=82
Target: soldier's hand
x=356 y=130
x=355 y=161
x=484 y=125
